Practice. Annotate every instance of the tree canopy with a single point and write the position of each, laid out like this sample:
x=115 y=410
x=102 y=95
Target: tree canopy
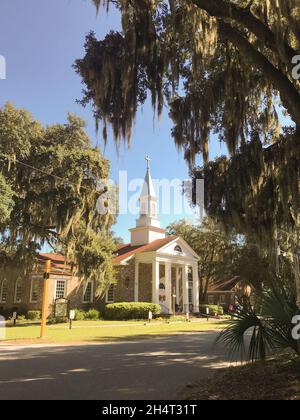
x=51 y=179
x=223 y=255
x=224 y=68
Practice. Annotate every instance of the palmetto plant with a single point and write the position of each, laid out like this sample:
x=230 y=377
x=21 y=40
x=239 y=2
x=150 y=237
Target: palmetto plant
x=268 y=327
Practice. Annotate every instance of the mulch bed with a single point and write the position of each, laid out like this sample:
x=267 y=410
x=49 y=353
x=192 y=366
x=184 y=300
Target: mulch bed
x=276 y=379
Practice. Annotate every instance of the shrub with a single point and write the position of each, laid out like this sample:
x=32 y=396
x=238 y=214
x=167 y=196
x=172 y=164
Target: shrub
x=177 y=318
x=79 y=315
x=57 y=320
x=131 y=310
x=33 y=315
x=92 y=315
x=214 y=310
x=21 y=318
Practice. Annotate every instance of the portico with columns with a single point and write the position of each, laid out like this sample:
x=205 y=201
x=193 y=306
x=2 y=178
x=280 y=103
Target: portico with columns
x=165 y=267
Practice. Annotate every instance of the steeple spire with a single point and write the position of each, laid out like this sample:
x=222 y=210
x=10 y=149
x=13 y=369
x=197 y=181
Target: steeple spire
x=148 y=160
x=148 y=190
x=147 y=225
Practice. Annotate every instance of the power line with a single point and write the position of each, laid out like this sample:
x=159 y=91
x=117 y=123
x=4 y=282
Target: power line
x=66 y=182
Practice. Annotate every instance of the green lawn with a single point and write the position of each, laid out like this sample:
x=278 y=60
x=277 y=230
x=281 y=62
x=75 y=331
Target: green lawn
x=98 y=331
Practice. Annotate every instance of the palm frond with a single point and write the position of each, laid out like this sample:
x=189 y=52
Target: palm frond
x=268 y=327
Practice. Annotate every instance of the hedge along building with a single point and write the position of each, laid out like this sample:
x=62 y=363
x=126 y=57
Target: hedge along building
x=154 y=267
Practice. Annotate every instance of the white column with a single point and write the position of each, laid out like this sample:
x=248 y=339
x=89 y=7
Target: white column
x=196 y=288
x=155 y=281
x=185 y=285
x=177 y=285
x=136 y=282
x=169 y=299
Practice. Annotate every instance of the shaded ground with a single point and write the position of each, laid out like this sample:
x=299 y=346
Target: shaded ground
x=150 y=369
x=276 y=379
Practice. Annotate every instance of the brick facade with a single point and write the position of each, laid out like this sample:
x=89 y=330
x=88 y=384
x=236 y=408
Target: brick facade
x=74 y=293
x=124 y=287
x=145 y=282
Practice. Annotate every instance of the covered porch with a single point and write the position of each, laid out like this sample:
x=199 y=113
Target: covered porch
x=174 y=283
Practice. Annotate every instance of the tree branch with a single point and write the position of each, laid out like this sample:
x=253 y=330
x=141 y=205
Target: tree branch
x=223 y=10
x=289 y=95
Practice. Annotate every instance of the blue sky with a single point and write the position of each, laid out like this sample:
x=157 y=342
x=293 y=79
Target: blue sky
x=40 y=40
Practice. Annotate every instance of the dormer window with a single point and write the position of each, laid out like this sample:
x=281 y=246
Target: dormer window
x=178 y=249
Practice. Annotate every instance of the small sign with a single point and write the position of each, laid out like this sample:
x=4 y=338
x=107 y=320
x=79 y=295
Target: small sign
x=72 y=315
x=61 y=308
x=207 y=311
x=150 y=317
x=15 y=315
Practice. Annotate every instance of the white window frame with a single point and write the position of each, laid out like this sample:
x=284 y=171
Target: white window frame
x=35 y=279
x=18 y=283
x=92 y=292
x=55 y=289
x=107 y=294
x=178 y=249
x=4 y=282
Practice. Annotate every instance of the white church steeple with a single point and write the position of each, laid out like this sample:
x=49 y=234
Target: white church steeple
x=147 y=225
x=148 y=202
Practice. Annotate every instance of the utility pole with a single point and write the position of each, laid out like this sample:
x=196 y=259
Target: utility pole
x=45 y=297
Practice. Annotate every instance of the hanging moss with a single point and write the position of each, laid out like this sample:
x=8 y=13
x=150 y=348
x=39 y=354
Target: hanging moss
x=50 y=189
x=222 y=67
x=257 y=190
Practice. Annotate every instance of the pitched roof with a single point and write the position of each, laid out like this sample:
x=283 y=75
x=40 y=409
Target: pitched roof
x=226 y=285
x=127 y=251
x=59 y=265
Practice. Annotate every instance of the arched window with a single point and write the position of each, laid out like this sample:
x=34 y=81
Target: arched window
x=18 y=292
x=178 y=249
x=88 y=292
x=4 y=291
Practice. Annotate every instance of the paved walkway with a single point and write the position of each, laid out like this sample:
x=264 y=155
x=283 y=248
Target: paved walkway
x=149 y=369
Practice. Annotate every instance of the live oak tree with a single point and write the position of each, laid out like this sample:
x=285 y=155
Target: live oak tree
x=51 y=181
x=223 y=255
x=6 y=202
x=224 y=67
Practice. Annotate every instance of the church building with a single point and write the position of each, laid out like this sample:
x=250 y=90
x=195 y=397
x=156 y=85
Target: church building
x=154 y=267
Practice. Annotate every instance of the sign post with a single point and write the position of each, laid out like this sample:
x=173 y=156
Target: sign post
x=207 y=313
x=150 y=316
x=14 y=317
x=71 y=318
x=45 y=297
